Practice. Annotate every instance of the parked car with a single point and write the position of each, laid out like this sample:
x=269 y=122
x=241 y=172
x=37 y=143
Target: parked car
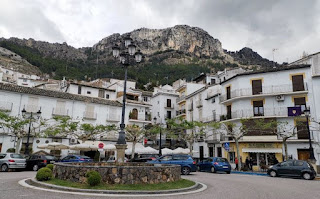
x=185 y=161
x=293 y=168
x=76 y=158
x=214 y=165
x=11 y=161
x=144 y=158
x=151 y=156
x=35 y=162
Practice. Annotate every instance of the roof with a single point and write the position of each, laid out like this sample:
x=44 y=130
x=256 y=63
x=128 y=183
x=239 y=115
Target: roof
x=92 y=86
x=56 y=94
x=304 y=58
x=269 y=70
x=144 y=93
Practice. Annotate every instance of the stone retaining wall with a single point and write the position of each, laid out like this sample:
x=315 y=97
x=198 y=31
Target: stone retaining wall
x=119 y=173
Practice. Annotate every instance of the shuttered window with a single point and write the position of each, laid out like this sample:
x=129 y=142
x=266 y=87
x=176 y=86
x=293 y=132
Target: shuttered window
x=258 y=108
x=60 y=108
x=297 y=83
x=33 y=104
x=228 y=92
x=229 y=112
x=256 y=87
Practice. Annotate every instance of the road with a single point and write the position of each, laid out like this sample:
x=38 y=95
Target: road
x=220 y=186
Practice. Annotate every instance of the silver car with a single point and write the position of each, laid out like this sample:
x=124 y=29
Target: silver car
x=12 y=161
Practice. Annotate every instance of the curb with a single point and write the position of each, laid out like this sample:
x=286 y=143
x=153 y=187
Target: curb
x=249 y=173
x=34 y=184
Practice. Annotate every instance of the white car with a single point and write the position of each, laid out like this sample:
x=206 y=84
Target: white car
x=12 y=161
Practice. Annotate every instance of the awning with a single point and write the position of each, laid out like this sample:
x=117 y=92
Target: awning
x=262 y=150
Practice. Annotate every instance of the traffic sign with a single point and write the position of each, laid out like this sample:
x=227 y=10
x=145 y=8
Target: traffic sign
x=227 y=146
x=101 y=145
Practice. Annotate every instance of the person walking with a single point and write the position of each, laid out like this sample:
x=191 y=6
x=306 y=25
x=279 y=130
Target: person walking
x=236 y=162
x=250 y=163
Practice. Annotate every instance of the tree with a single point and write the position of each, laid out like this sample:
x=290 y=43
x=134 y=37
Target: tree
x=63 y=126
x=91 y=132
x=16 y=126
x=188 y=131
x=134 y=134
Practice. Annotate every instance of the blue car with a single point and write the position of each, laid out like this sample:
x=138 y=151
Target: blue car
x=76 y=158
x=185 y=161
x=214 y=165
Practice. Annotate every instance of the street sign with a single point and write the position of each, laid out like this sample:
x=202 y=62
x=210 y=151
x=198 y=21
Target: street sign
x=226 y=146
x=101 y=145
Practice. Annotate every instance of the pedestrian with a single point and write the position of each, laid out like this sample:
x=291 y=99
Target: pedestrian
x=236 y=162
x=250 y=163
x=247 y=162
x=275 y=161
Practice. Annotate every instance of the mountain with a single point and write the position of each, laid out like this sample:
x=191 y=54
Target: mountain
x=171 y=53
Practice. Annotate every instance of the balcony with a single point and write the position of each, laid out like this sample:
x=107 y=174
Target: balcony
x=6 y=106
x=266 y=112
x=211 y=118
x=266 y=90
x=169 y=106
x=181 y=98
x=89 y=115
x=181 y=112
x=60 y=112
x=199 y=103
x=140 y=120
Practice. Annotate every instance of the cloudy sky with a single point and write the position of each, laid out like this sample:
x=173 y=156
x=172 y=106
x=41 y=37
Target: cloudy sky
x=290 y=26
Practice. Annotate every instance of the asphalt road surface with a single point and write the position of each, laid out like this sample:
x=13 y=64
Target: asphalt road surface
x=220 y=186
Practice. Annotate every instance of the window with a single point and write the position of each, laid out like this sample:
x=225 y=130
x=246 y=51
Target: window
x=286 y=164
x=79 y=90
x=213 y=81
x=24 y=80
x=134 y=114
x=89 y=92
x=300 y=102
x=169 y=114
x=258 y=108
x=256 y=87
x=297 y=83
x=228 y=92
x=298 y=163
x=145 y=99
x=229 y=112
x=222 y=160
x=166 y=158
x=302 y=130
x=2 y=156
x=169 y=103
x=101 y=93
x=180 y=157
x=213 y=100
x=107 y=96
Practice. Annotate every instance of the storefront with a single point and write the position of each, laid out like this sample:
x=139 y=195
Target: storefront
x=260 y=153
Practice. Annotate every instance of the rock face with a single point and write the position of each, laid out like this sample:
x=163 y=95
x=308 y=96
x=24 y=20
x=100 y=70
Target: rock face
x=246 y=56
x=55 y=50
x=189 y=40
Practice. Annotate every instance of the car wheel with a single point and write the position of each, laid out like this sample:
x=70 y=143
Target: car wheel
x=198 y=168
x=228 y=172
x=185 y=170
x=273 y=173
x=35 y=167
x=306 y=176
x=213 y=170
x=4 y=167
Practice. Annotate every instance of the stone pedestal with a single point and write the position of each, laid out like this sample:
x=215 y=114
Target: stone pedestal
x=121 y=152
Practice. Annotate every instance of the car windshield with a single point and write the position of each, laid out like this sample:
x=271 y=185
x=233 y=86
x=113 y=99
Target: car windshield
x=16 y=156
x=49 y=157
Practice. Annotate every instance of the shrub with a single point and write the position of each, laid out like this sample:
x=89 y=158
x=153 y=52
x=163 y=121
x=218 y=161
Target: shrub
x=11 y=150
x=50 y=166
x=44 y=174
x=93 y=178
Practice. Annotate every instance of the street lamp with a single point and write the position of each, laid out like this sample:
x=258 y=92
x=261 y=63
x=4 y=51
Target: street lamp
x=29 y=115
x=124 y=58
x=155 y=122
x=307 y=114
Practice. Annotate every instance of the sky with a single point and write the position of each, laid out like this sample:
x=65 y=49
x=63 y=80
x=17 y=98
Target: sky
x=289 y=26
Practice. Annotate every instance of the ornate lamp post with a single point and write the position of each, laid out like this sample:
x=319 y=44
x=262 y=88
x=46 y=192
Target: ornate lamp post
x=29 y=116
x=307 y=114
x=160 y=125
x=125 y=58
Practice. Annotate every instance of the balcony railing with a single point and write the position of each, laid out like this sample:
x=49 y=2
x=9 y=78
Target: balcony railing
x=211 y=118
x=60 y=111
x=181 y=98
x=267 y=112
x=266 y=90
x=180 y=112
x=169 y=106
x=5 y=106
x=90 y=115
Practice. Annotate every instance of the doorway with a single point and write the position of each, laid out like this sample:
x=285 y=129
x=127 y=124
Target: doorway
x=201 y=152
x=219 y=152
x=303 y=154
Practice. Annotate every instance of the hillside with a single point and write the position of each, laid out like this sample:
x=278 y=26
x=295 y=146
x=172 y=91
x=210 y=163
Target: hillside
x=177 y=52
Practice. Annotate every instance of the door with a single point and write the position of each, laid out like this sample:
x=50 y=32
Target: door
x=285 y=168
x=211 y=152
x=207 y=164
x=201 y=152
x=228 y=92
x=303 y=154
x=298 y=166
x=219 y=152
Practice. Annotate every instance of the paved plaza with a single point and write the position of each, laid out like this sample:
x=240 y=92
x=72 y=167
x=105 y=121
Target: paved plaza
x=233 y=186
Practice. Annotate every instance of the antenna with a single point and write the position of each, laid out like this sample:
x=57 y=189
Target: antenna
x=273 y=50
